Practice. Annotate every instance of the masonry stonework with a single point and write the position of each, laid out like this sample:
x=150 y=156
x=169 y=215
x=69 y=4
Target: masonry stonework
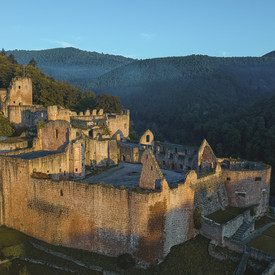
x=109 y=221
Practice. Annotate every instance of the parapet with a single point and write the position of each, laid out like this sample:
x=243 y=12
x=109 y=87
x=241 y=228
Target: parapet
x=125 y=112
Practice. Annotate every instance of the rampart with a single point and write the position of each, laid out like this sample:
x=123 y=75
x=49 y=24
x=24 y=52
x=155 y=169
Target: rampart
x=92 y=217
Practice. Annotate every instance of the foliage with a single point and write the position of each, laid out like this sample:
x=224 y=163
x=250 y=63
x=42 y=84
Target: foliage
x=110 y=104
x=32 y=62
x=197 y=218
x=40 y=124
x=87 y=101
x=105 y=130
x=12 y=59
x=3 y=52
x=6 y=128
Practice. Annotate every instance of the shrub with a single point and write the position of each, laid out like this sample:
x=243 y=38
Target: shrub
x=253 y=211
x=40 y=124
x=197 y=218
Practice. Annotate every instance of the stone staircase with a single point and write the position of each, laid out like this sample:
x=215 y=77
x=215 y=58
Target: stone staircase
x=238 y=236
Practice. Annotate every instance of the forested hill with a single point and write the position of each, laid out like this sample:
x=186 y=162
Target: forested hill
x=71 y=64
x=251 y=72
x=47 y=91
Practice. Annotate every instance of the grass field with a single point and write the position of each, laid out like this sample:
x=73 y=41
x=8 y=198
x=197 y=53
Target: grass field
x=266 y=241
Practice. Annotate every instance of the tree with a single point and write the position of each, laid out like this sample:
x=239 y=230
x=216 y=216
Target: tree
x=3 y=52
x=87 y=101
x=12 y=59
x=110 y=104
x=6 y=128
x=32 y=62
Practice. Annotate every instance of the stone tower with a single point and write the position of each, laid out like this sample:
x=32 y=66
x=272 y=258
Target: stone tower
x=20 y=92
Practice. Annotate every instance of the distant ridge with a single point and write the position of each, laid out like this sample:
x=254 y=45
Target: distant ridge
x=271 y=54
x=71 y=64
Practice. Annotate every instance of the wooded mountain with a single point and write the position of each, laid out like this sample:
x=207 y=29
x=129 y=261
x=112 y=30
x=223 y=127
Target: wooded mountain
x=71 y=64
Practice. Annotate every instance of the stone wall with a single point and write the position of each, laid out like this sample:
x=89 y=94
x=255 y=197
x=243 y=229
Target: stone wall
x=20 y=92
x=245 y=188
x=54 y=135
x=99 y=219
x=151 y=175
x=211 y=230
x=100 y=152
x=6 y=146
x=175 y=157
x=16 y=114
x=59 y=113
x=31 y=116
x=119 y=123
x=128 y=153
x=210 y=193
x=218 y=232
x=147 y=138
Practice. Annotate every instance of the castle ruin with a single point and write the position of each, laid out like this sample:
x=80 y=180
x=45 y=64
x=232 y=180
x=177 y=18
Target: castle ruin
x=47 y=191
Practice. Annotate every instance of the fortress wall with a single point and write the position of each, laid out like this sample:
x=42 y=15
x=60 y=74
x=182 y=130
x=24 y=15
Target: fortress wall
x=245 y=188
x=121 y=123
x=210 y=193
x=13 y=181
x=100 y=219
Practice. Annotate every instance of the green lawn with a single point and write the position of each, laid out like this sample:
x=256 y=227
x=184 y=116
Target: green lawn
x=265 y=243
x=192 y=258
x=223 y=216
x=16 y=244
x=263 y=221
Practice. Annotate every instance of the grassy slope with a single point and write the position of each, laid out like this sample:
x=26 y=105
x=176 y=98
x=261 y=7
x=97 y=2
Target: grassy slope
x=190 y=257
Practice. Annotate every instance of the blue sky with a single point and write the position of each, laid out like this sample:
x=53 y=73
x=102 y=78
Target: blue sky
x=141 y=29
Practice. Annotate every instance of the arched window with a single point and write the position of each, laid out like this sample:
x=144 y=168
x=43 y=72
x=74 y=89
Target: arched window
x=56 y=133
x=148 y=138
